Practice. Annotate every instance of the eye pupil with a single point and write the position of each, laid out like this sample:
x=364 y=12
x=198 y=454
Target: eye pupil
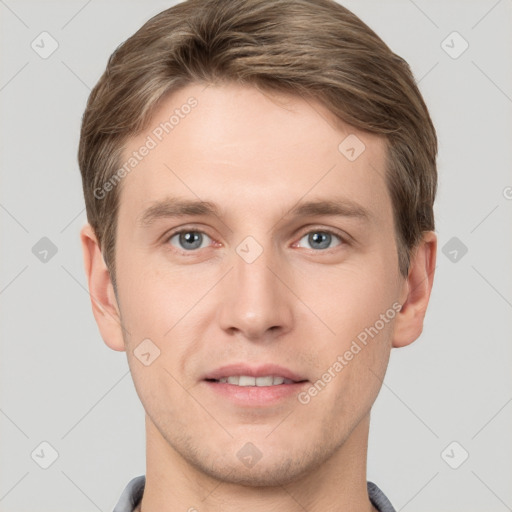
x=190 y=237
x=324 y=239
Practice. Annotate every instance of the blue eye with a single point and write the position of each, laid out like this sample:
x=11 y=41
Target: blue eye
x=320 y=239
x=189 y=239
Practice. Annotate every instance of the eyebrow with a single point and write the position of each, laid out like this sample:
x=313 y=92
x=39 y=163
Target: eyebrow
x=176 y=207
x=337 y=207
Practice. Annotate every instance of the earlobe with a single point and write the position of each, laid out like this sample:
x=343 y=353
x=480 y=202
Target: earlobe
x=104 y=304
x=416 y=291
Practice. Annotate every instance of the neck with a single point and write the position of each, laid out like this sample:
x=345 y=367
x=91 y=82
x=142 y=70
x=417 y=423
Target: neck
x=338 y=483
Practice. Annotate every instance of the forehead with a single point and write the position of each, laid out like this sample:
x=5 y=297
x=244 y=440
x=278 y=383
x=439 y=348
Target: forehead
x=253 y=149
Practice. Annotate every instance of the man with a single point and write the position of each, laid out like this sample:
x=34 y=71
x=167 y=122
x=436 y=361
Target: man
x=259 y=178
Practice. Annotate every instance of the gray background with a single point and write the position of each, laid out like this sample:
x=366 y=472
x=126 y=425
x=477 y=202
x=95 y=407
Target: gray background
x=59 y=383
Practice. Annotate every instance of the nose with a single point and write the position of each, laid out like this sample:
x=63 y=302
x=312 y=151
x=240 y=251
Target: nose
x=256 y=301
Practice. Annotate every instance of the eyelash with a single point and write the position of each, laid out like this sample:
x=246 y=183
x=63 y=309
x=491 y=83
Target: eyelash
x=343 y=240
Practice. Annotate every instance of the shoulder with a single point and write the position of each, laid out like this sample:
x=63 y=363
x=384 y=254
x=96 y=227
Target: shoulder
x=131 y=495
x=379 y=499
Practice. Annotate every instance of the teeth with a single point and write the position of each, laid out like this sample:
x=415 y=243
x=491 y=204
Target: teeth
x=244 y=380
x=247 y=380
x=265 y=381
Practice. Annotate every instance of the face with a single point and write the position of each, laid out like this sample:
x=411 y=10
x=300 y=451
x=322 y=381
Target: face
x=291 y=272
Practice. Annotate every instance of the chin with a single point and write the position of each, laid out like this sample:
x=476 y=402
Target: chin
x=262 y=474
x=271 y=465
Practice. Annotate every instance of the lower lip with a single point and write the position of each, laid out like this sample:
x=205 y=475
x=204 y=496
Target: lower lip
x=254 y=396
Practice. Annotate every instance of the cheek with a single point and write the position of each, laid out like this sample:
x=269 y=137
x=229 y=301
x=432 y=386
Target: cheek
x=149 y=301
x=351 y=299
x=357 y=306
x=358 y=364
x=158 y=391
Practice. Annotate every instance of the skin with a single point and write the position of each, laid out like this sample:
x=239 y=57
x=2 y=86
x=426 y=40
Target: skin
x=300 y=305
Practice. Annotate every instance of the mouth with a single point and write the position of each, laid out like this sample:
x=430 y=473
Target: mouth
x=249 y=387
x=248 y=380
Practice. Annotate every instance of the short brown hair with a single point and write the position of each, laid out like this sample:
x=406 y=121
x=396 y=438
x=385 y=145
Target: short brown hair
x=312 y=48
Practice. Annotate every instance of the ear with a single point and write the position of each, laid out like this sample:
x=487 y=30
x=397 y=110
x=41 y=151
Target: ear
x=416 y=291
x=104 y=303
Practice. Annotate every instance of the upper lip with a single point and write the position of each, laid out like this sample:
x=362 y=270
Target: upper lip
x=261 y=370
